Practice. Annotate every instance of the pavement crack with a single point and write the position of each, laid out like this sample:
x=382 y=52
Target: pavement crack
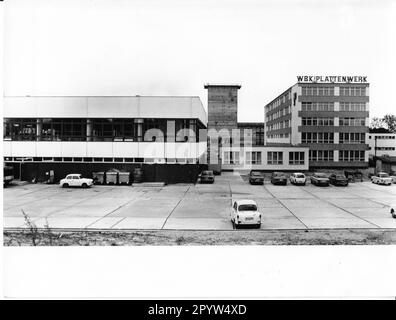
x=166 y=220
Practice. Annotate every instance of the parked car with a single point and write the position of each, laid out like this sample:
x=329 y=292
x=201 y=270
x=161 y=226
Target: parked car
x=76 y=180
x=207 y=176
x=298 y=178
x=256 y=177
x=278 y=178
x=245 y=212
x=382 y=178
x=338 y=179
x=320 y=179
x=393 y=179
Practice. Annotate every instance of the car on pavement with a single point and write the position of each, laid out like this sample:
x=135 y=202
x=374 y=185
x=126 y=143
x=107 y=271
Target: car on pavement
x=278 y=178
x=298 y=178
x=320 y=179
x=256 y=177
x=338 y=179
x=76 y=180
x=245 y=212
x=207 y=176
x=381 y=178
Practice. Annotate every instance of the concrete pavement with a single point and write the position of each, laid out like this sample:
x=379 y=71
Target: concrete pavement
x=200 y=206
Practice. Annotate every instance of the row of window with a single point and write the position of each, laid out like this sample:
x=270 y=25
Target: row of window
x=352 y=137
x=317 y=106
x=280 y=113
x=279 y=125
x=352 y=106
x=321 y=155
x=383 y=137
x=276 y=103
x=89 y=160
x=78 y=129
x=352 y=91
x=255 y=157
x=352 y=122
x=317 y=137
x=278 y=136
x=351 y=155
x=344 y=155
x=385 y=148
x=318 y=91
x=317 y=121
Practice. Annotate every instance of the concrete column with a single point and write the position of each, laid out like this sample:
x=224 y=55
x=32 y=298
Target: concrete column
x=39 y=128
x=139 y=124
x=89 y=130
x=336 y=137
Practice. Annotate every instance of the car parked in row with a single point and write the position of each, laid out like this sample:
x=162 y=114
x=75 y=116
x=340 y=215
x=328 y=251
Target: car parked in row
x=76 y=180
x=279 y=178
x=338 y=179
x=298 y=178
x=245 y=212
x=207 y=176
x=256 y=177
x=382 y=178
x=320 y=179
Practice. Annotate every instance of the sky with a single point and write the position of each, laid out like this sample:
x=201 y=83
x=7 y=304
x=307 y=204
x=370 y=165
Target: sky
x=174 y=47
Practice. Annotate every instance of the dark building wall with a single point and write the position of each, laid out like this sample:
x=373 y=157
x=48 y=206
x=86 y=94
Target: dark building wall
x=168 y=173
x=222 y=107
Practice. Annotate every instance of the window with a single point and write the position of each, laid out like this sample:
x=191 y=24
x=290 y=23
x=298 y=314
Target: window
x=352 y=91
x=317 y=106
x=315 y=121
x=351 y=155
x=20 y=129
x=349 y=121
x=318 y=91
x=274 y=157
x=317 y=137
x=321 y=155
x=253 y=157
x=296 y=158
x=352 y=106
x=352 y=137
x=231 y=157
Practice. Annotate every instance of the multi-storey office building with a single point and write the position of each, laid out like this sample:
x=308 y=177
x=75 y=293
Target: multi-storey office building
x=242 y=145
x=330 y=118
x=85 y=134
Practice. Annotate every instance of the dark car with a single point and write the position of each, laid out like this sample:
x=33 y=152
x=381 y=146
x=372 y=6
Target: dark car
x=338 y=179
x=320 y=179
x=207 y=176
x=278 y=178
x=256 y=177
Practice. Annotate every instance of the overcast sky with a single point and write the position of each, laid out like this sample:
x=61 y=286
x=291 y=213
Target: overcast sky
x=173 y=47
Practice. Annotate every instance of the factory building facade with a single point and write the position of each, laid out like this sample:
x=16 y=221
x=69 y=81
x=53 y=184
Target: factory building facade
x=97 y=133
x=329 y=115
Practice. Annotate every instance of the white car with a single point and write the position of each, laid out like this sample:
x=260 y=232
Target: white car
x=298 y=178
x=76 y=180
x=381 y=178
x=245 y=212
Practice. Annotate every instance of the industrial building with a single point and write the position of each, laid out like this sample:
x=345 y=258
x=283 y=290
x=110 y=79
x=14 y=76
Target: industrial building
x=382 y=144
x=236 y=145
x=329 y=115
x=85 y=134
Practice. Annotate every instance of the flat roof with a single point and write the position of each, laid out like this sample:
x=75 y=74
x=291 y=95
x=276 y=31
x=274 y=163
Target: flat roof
x=207 y=85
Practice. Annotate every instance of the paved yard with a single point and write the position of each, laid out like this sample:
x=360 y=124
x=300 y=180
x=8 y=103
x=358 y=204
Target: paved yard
x=360 y=205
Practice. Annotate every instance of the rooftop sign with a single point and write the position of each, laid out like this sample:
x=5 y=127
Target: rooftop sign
x=332 y=79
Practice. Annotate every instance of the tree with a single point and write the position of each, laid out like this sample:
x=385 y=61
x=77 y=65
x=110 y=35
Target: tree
x=378 y=125
x=390 y=122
